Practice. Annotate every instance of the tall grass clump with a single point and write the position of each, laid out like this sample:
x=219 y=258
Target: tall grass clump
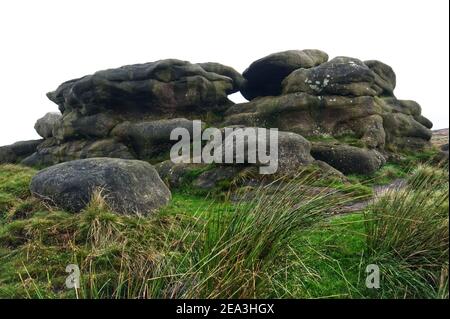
x=241 y=252
x=408 y=236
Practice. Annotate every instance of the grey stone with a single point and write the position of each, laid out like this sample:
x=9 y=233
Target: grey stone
x=44 y=126
x=129 y=186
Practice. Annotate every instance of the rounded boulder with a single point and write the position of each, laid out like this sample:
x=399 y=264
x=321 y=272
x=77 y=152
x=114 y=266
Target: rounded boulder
x=129 y=186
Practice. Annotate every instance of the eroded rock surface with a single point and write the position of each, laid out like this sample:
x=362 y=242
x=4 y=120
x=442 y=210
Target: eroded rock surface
x=344 y=106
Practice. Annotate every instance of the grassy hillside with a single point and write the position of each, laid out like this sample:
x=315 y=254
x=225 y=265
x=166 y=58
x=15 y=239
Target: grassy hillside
x=284 y=243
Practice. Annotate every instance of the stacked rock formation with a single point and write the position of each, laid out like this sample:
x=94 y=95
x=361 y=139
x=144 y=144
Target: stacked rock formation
x=342 y=112
x=346 y=107
x=129 y=112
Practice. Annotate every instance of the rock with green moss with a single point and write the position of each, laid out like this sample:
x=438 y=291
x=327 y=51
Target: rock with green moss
x=403 y=132
x=129 y=112
x=219 y=175
x=164 y=87
x=314 y=116
x=128 y=186
x=339 y=76
x=176 y=175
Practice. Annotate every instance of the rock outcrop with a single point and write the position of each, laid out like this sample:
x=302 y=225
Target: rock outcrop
x=341 y=111
x=345 y=101
x=129 y=112
x=128 y=186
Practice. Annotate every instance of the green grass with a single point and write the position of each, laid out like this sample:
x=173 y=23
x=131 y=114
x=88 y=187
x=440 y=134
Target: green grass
x=407 y=236
x=282 y=244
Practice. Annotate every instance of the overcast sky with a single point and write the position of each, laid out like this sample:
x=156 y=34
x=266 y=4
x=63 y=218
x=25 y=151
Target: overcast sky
x=44 y=43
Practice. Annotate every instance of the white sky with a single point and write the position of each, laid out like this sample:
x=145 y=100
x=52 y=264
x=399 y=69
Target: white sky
x=44 y=43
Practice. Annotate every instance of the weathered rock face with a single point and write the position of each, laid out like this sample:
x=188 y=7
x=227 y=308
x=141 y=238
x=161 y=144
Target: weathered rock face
x=346 y=104
x=164 y=87
x=15 y=152
x=130 y=111
x=314 y=116
x=340 y=76
x=344 y=101
x=128 y=186
x=50 y=152
x=44 y=126
x=265 y=75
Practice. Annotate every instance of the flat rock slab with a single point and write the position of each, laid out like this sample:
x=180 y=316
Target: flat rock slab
x=129 y=186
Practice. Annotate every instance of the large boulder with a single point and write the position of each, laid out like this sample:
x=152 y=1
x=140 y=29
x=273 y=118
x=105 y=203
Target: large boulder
x=128 y=186
x=44 y=126
x=348 y=159
x=164 y=87
x=293 y=149
x=294 y=152
x=339 y=76
x=15 y=152
x=265 y=75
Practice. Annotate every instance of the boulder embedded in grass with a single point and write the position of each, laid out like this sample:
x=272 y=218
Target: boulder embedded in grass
x=129 y=186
